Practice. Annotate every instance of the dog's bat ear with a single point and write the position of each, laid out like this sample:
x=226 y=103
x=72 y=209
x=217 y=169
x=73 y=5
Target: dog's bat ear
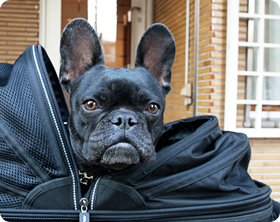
x=156 y=52
x=80 y=49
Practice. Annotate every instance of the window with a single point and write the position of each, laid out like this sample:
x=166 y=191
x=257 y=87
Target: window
x=252 y=103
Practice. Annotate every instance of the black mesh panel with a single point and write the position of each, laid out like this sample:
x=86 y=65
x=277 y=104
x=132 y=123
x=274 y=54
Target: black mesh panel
x=20 y=115
x=13 y=171
x=18 y=111
x=8 y=200
x=5 y=70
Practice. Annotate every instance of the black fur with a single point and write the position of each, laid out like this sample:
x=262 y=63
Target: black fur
x=121 y=131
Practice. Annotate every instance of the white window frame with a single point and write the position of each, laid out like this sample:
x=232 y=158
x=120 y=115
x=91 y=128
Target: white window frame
x=232 y=72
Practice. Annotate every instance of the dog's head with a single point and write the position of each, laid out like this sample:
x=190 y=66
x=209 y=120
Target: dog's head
x=116 y=114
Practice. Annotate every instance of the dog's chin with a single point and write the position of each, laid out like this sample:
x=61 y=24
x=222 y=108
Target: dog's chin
x=120 y=156
x=115 y=157
x=116 y=166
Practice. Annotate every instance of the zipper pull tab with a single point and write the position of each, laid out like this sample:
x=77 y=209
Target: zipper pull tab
x=84 y=215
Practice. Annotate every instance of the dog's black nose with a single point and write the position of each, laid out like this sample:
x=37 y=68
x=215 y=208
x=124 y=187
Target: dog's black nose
x=124 y=120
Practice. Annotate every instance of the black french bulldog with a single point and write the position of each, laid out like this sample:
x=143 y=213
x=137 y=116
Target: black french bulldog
x=116 y=114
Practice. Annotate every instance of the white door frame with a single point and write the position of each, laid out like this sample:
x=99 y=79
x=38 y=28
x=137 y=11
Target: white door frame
x=50 y=29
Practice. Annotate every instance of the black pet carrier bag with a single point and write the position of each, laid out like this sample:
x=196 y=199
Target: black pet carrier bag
x=200 y=173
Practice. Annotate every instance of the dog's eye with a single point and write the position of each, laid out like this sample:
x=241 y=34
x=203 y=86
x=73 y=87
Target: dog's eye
x=153 y=108
x=90 y=105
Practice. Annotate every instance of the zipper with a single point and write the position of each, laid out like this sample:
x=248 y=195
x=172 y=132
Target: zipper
x=84 y=214
x=57 y=128
x=258 y=212
x=84 y=203
x=93 y=195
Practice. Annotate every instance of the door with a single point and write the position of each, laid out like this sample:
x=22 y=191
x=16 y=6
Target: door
x=110 y=22
x=141 y=18
x=119 y=25
x=72 y=9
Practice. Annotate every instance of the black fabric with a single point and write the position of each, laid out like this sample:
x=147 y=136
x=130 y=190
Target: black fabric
x=19 y=113
x=29 y=155
x=197 y=165
x=276 y=210
x=115 y=194
x=5 y=70
x=200 y=171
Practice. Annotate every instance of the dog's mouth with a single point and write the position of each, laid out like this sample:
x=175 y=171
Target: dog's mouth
x=115 y=152
x=119 y=156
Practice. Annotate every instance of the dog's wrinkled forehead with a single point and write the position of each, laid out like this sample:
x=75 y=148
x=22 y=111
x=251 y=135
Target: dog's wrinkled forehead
x=124 y=85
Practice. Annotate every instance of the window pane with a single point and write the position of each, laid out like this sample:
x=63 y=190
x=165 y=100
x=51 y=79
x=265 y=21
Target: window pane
x=245 y=116
x=244 y=6
x=248 y=30
x=271 y=59
x=256 y=5
x=270 y=116
x=247 y=58
x=271 y=31
x=243 y=30
x=272 y=7
x=271 y=88
x=246 y=87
